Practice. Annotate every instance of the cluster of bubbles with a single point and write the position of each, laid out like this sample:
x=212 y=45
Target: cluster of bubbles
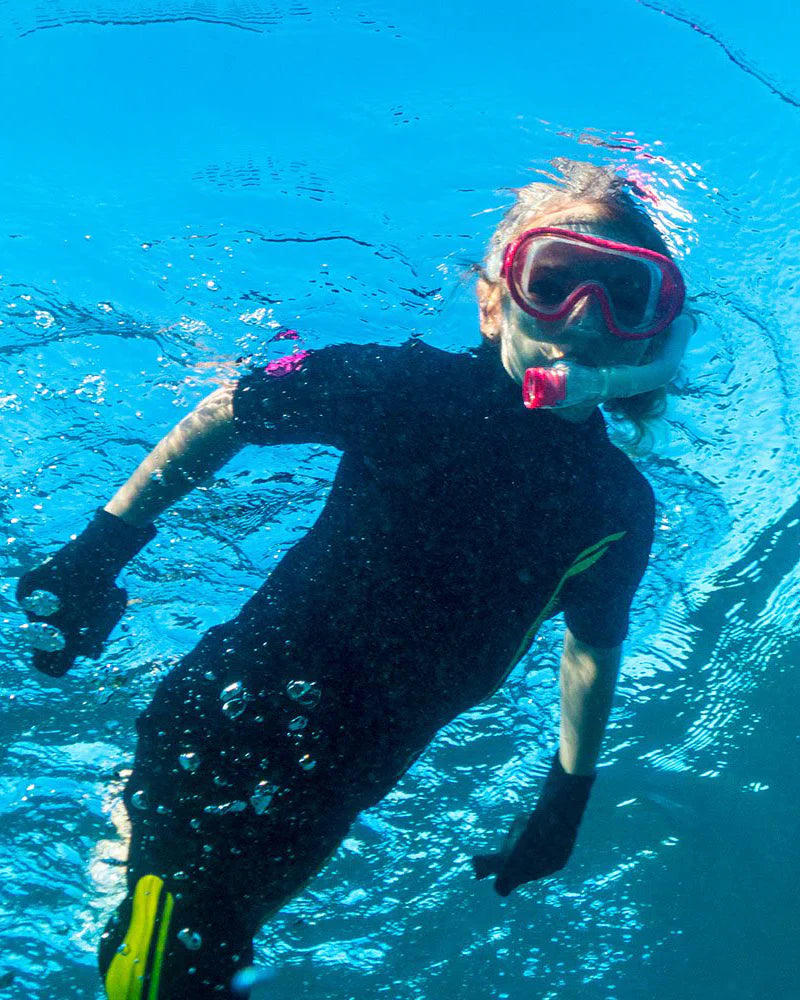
x=41 y=602
x=234 y=700
x=305 y=693
x=44 y=637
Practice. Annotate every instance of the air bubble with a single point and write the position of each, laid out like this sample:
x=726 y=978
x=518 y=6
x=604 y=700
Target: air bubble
x=246 y=979
x=305 y=693
x=41 y=602
x=226 y=807
x=307 y=762
x=139 y=799
x=298 y=724
x=234 y=700
x=190 y=939
x=262 y=797
x=189 y=761
x=44 y=637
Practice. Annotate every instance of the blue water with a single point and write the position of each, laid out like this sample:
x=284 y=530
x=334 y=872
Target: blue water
x=177 y=183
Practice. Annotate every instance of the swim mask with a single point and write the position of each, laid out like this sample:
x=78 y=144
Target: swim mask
x=548 y=270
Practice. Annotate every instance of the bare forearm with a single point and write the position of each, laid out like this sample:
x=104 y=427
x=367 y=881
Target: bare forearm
x=588 y=679
x=199 y=445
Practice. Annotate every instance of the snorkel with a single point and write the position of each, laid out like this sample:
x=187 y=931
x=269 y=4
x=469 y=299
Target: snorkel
x=566 y=384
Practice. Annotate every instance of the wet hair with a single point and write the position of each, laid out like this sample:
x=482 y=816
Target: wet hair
x=613 y=199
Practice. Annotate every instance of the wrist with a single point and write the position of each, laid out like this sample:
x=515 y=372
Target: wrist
x=566 y=794
x=574 y=767
x=111 y=542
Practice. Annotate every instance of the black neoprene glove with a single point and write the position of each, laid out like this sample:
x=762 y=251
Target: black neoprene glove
x=541 y=845
x=81 y=577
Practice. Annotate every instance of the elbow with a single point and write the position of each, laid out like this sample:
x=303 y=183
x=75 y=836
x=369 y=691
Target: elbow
x=217 y=407
x=212 y=418
x=589 y=664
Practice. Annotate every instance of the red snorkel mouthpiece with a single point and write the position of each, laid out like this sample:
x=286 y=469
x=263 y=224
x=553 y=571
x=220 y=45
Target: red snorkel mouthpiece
x=544 y=387
x=570 y=384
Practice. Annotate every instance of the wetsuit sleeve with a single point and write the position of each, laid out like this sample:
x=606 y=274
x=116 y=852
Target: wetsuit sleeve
x=330 y=396
x=597 y=601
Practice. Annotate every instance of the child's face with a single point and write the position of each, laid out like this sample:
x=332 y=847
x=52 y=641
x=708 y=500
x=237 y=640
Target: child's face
x=581 y=336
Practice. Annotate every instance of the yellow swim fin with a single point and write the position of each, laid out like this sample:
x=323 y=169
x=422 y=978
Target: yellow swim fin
x=135 y=970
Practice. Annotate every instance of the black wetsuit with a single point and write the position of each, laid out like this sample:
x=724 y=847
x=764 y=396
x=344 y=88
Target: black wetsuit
x=457 y=522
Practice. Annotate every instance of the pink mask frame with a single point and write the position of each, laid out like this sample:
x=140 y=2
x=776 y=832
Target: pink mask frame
x=667 y=308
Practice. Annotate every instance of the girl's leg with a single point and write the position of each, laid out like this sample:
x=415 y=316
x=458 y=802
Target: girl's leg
x=226 y=828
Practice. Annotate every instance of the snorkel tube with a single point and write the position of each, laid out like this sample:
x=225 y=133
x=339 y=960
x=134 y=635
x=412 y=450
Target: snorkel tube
x=566 y=384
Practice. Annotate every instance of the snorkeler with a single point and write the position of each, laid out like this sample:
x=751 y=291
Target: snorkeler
x=477 y=495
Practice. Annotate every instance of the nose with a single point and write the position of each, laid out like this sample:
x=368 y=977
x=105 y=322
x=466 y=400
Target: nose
x=586 y=318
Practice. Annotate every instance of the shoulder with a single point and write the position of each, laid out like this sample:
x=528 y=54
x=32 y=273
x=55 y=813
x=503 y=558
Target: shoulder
x=391 y=375
x=350 y=361
x=410 y=358
x=618 y=491
x=626 y=481
x=348 y=375
x=635 y=489
x=630 y=502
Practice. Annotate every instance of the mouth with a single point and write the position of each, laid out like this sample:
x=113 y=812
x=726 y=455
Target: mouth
x=572 y=359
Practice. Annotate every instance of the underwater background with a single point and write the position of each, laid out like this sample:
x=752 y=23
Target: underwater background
x=180 y=184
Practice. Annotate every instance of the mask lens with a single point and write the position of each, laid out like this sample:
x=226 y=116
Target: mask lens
x=544 y=274
x=549 y=269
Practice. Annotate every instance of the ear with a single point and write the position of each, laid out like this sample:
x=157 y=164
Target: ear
x=490 y=303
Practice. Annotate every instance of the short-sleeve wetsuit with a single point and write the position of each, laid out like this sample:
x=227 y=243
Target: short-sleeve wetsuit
x=457 y=522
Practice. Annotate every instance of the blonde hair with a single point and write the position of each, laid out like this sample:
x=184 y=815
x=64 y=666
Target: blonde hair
x=607 y=192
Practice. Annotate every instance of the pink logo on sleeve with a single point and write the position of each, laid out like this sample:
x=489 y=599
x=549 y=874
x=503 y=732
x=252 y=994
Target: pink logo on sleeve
x=289 y=363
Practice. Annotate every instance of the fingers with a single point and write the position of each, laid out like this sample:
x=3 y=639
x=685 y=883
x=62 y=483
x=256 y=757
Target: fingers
x=62 y=626
x=520 y=866
x=504 y=886
x=511 y=875
x=527 y=857
x=97 y=630
x=485 y=865
x=514 y=834
x=38 y=603
x=53 y=664
x=45 y=633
